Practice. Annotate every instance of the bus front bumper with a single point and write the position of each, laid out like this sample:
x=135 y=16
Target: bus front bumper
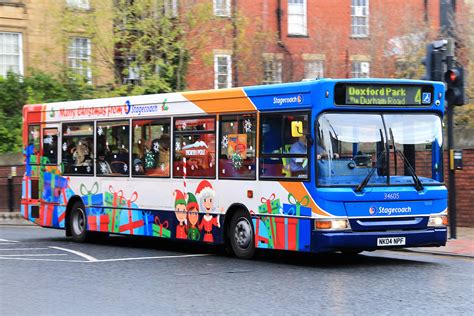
x=348 y=240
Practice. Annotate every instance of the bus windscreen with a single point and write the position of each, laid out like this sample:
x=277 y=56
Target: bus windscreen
x=383 y=94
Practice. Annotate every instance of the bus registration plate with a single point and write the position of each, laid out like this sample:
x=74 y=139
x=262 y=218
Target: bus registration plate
x=391 y=241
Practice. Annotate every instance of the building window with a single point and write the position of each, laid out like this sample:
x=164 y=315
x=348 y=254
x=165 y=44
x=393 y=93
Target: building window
x=297 y=17
x=272 y=71
x=80 y=56
x=237 y=146
x=222 y=7
x=222 y=71
x=11 y=53
x=360 y=18
x=151 y=147
x=171 y=8
x=195 y=145
x=360 y=69
x=314 y=69
x=78 y=4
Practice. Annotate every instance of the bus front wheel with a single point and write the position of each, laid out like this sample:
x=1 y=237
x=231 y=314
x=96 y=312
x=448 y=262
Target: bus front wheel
x=242 y=239
x=78 y=223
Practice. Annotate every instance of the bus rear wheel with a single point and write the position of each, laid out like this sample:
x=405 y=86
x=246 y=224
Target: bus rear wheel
x=78 y=223
x=242 y=239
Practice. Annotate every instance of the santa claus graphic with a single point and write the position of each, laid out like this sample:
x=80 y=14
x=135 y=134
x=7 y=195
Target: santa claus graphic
x=205 y=193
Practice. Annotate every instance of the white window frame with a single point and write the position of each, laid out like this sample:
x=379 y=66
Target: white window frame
x=274 y=67
x=171 y=8
x=360 y=18
x=78 y=4
x=221 y=8
x=310 y=73
x=19 y=56
x=360 y=69
x=84 y=61
x=299 y=29
x=228 y=73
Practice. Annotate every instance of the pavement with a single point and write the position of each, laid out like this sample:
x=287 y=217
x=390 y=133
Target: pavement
x=462 y=246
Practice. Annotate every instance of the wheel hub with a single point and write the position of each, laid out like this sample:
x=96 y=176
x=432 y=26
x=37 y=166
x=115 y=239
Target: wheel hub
x=79 y=221
x=243 y=233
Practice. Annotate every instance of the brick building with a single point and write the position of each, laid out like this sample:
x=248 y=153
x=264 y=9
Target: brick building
x=311 y=38
x=52 y=35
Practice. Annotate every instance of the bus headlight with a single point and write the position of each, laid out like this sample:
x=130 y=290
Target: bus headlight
x=331 y=224
x=438 y=221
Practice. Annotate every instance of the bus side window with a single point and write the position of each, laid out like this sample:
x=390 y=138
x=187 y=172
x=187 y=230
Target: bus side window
x=195 y=140
x=113 y=148
x=50 y=145
x=237 y=146
x=151 y=148
x=34 y=138
x=283 y=155
x=78 y=148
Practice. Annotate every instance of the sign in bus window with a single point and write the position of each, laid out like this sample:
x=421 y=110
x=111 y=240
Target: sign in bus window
x=113 y=148
x=34 y=137
x=50 y=145
x=282 y=154
x=237 y=146
x=195 y=147
x=77 y=148
x=151 y=148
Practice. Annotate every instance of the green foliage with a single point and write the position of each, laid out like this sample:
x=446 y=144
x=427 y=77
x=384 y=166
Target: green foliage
x=151 y=43
x=38 y=87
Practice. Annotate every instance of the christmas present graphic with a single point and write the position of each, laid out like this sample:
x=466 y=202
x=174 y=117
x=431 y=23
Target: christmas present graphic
x=113 y=200
x=160 y=228
x=303 y=230
x=270 y=206
x=147 y=223
x=98 y=220
x=131 y=220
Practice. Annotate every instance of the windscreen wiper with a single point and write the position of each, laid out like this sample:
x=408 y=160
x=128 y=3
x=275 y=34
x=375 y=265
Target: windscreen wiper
x=416 y=180
x=364 y=182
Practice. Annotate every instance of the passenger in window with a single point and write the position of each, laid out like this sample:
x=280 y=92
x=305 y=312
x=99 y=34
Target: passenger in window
x=81 y=154
x=164 y=152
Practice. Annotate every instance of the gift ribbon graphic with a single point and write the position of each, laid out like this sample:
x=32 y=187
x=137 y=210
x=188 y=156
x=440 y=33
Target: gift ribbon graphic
x=117 y=196
x=129 y=202
x=84 y=191
x=165 y=225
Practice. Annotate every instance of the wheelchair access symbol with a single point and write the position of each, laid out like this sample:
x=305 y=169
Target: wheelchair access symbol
x=426 y=98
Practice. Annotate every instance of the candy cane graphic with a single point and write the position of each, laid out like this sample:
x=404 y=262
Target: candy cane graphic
x=184 y=174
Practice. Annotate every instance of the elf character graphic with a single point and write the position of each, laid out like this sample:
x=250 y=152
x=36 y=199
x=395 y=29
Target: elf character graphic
x=206 y=194
x=180 y=211
x=193 y=217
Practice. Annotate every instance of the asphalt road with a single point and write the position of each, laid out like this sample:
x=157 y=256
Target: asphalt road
x=42 y=272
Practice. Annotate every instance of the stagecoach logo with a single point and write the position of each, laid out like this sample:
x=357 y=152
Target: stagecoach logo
x=296 y=99
x=373 y=210
x=144 y=108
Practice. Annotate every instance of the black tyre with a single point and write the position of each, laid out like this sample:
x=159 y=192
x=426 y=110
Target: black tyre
x=78 y=223
x=241 y=235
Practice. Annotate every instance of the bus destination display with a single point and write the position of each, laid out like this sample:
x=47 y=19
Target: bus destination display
x=383 y=95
